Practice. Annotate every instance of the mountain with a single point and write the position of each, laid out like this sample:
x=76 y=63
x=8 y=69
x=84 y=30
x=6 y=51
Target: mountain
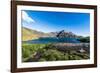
x=29 y=34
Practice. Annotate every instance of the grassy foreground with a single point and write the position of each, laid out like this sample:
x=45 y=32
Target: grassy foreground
x=48 y=52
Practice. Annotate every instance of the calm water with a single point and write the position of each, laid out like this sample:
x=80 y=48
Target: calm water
x=52 y=40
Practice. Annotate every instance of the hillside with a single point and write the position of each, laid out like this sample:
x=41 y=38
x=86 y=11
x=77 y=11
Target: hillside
x=29 y=34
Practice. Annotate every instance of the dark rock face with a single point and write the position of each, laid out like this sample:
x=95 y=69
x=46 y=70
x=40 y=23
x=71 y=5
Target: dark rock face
x=63 y=34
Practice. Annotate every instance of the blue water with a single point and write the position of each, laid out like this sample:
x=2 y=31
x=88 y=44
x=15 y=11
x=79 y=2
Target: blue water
x=52 y=40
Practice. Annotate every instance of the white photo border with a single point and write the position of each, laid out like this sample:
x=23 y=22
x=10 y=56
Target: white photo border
x=53 y=63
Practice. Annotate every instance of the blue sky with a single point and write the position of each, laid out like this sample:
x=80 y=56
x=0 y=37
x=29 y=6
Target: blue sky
x=78 y=23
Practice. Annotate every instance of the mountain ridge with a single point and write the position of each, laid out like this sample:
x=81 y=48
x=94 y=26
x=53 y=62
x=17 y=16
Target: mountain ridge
x=29 y=34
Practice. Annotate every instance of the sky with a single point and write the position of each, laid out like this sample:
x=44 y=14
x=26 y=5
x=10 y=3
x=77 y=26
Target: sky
x=47 y=21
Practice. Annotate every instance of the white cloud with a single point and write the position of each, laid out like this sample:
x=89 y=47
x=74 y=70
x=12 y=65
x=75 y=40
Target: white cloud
x=27 y=18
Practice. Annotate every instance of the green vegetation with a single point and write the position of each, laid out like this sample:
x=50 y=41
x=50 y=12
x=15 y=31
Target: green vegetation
x=84 y=39
x=47 y=52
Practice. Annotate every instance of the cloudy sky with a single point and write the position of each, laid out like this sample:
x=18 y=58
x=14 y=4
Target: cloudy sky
x=78 y=23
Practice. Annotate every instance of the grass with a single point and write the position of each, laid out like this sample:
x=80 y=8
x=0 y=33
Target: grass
x=47 y=52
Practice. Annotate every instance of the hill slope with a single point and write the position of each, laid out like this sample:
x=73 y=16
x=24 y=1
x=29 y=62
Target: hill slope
x=29 y=34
